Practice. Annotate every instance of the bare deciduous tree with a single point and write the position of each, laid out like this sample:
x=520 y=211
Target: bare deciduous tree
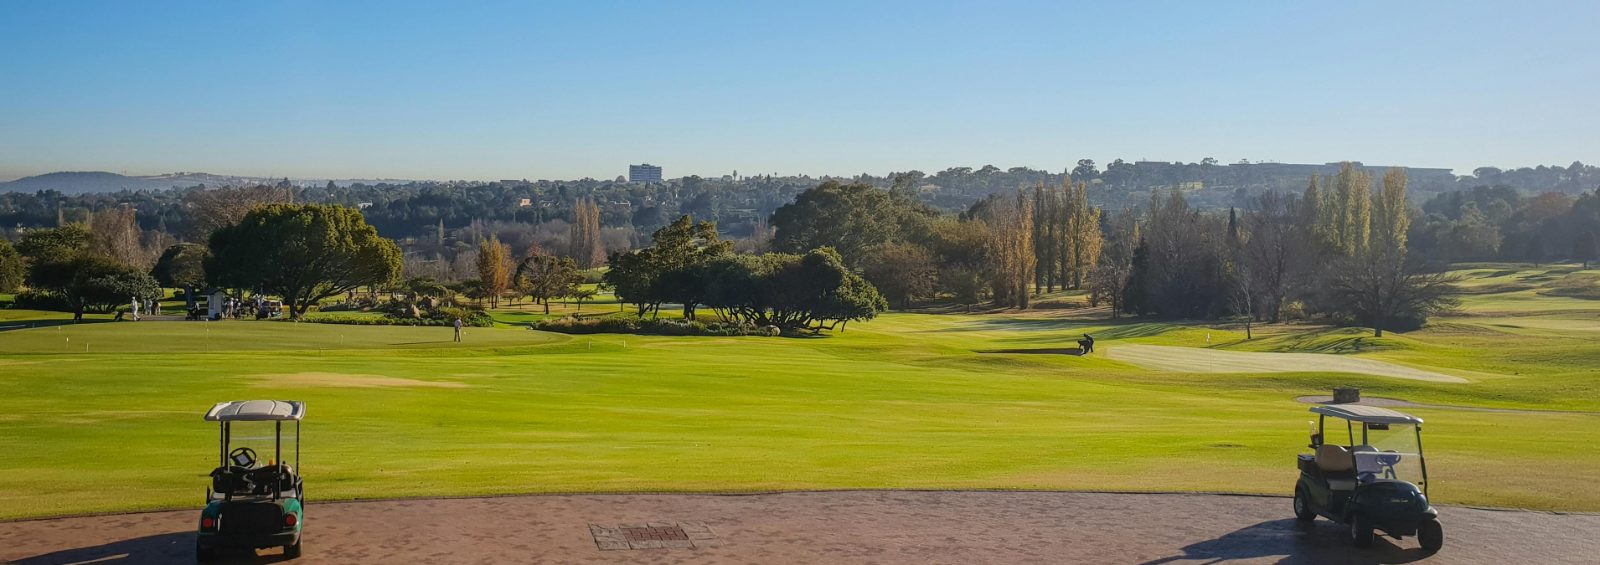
x=225 y=206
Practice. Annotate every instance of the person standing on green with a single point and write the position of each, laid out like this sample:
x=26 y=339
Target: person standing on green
x=458 y=330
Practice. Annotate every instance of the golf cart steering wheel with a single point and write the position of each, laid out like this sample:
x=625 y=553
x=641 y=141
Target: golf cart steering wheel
x=242 y=457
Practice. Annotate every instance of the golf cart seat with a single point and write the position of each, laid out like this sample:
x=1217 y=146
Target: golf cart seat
x=234 y=480
x=281 y=475
x=1337 y=465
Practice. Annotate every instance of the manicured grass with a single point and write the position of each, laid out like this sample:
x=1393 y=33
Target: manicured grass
x=905 y=401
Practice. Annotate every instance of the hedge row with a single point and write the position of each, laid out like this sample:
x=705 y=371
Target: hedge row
x=475 y=320
x=622 y=324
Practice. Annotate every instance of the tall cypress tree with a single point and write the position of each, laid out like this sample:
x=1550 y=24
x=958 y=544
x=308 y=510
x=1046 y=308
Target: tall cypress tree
x=1044 y=238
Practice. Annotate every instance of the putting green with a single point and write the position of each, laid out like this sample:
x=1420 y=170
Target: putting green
x=1201 y=360
x=905 y=401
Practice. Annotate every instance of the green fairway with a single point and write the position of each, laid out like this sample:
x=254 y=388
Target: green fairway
x=107 y=416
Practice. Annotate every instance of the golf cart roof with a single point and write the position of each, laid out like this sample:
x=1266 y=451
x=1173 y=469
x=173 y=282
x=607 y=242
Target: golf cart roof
x=256 y=411
x=1366 y=414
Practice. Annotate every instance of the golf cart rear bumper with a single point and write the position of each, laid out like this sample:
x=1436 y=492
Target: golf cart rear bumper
x=252 y=541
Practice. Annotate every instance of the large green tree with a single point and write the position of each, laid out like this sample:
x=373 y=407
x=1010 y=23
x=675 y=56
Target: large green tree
x=544 y=277
x=902 y=271
x=1586 y=248
x=183 y=266
x=678 y=255
x=631 y=277
x=101 y=283
x=52 y=255
x=12 y=268
x=848 y=217
x=812 y=291
x=304 y=253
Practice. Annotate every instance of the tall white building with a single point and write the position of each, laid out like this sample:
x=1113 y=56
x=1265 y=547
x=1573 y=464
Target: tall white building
x=644 y=173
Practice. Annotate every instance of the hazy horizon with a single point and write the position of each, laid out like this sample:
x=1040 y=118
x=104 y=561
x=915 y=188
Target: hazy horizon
x=417 y=91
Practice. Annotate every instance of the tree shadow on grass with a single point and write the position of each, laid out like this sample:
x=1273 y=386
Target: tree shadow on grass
x=29 y=324
x=1319 y=342
x=1293 y=543
x=175 y=547
x=1044 y=333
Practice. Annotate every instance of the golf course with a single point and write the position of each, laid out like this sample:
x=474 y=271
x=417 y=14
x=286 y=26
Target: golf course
x=106 y=417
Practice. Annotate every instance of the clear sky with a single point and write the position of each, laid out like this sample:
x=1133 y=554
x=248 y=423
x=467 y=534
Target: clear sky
x=489 y=90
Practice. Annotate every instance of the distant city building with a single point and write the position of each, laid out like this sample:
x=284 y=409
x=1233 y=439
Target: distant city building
x=644 y=173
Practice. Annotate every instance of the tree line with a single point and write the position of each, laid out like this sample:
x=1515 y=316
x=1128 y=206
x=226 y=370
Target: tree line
x=303 y=253
x=688 y=264
x=1337 y=251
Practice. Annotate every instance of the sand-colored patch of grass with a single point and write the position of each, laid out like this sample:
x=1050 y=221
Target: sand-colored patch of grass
x=1201 y=360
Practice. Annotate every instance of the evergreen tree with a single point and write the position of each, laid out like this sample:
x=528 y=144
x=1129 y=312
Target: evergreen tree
x=1586 y=248
x=12 y=268
x=1046 y=237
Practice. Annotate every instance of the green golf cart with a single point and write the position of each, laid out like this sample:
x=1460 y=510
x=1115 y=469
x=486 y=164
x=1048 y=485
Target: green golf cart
x=253 y=504
x=1376 y=480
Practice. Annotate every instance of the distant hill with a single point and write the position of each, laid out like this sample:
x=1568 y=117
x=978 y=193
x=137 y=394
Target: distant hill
x=100 y=181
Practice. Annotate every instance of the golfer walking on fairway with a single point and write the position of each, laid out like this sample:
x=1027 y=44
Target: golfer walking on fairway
x=458 y=330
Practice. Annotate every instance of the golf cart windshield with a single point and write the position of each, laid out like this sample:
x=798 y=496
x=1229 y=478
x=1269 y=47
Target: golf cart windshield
x=1390 y=451
x=258 y=444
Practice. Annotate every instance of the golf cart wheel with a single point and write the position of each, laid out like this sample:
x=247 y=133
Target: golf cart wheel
x=1361 y=534
x=1302 y=506
x=1431 y=535
x=292 y=551
x=204 y=553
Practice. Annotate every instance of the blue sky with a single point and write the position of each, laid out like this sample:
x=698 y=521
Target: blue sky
x=489 y=90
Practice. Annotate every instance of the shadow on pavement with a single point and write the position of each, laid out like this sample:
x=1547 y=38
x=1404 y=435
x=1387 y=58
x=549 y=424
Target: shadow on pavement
x=1294 y=543
x=176 y=547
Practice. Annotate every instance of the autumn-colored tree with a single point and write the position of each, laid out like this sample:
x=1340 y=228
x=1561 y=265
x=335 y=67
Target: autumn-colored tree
x=1082 y=236
x=1011 y=249
x=584 y=235
x=1066 y=236
x=494 y=269
x=1390 y=217
x=1354 y=191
